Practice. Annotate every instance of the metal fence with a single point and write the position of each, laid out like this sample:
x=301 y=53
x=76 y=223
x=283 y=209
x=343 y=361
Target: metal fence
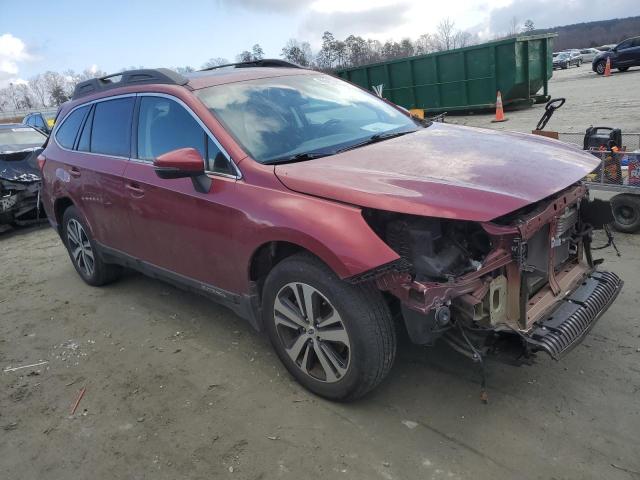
x=20 y=114
x=630 y=141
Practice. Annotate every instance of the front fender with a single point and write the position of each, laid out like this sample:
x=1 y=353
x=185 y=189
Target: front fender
x=334 y=232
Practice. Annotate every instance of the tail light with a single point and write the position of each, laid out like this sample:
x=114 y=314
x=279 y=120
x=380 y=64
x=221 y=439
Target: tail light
x=41 y=160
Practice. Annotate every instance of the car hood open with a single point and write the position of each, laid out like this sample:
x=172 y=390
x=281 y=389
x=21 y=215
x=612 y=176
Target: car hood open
x=446 y=171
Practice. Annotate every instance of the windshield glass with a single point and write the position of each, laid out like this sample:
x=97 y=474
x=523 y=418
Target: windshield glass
x=277 y=118
x=20 y=137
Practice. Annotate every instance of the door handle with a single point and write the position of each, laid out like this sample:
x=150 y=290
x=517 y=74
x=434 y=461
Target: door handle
x=135 y=190
x=74 y=172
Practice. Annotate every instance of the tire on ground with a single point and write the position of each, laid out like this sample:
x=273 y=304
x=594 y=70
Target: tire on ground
x=365 y=316
x=626 y=212
x=103 y=273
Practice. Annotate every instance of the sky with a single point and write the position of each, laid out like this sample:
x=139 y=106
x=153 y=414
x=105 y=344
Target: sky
x=41 y=35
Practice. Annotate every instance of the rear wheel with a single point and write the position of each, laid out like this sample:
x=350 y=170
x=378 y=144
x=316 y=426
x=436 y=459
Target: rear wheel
x=337 y=339
x=83 y=252
x=626 y=212
x=623 y=69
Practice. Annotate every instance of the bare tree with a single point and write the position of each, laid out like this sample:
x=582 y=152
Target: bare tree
x=39 y=89
x=215 y=62
x=244 y=56
x=514 y=27
x=444 y=34
x=424 y=44
x=186 y=69
x=55 y=84
x=256 y=52
x=529 y=26
x=297 y=52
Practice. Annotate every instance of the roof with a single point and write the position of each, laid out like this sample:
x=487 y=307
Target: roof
x=204 y=78
x=209 y=78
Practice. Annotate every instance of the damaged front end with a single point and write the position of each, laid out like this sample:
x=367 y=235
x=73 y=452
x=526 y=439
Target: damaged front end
x=522 y=283
x=20 y=184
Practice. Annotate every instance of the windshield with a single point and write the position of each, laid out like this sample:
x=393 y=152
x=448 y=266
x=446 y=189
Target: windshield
x=279 y=118
x=16 y=138
x=563 y=55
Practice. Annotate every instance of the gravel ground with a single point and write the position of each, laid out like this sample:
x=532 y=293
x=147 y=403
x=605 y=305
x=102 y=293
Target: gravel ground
x=178 y=387
x=591 y=100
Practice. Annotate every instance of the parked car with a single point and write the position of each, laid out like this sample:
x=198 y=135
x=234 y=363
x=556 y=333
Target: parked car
x=41 y=121
x=19 y=173
x=565 y=59
x=320 y=213
x=623 y=56
x=588 y=54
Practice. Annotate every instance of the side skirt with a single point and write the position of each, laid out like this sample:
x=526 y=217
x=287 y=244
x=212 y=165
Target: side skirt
x=245 y=306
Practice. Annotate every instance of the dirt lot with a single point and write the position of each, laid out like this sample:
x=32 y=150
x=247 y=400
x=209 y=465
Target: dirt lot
x=591 y=100
x=178 y=387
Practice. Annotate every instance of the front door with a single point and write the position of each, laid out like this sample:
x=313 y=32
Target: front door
x=177 y=228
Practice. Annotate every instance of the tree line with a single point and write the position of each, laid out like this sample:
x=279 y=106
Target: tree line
x=50 y=89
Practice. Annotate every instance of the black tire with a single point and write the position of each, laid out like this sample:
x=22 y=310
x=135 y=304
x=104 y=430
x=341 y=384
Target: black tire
x=626 y=212
x=101 y=273
x=600 y=67
x=364 y=315
x=564 y=67
x=623 y=69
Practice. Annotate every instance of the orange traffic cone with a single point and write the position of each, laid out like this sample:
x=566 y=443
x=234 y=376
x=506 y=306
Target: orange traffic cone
x=607 y=68
x=499 y=111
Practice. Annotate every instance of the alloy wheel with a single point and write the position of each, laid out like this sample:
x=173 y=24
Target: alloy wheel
x=312 y=332
x=80 y=247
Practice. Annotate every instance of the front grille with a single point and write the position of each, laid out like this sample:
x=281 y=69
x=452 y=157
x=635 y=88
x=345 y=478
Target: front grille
x=576 y=315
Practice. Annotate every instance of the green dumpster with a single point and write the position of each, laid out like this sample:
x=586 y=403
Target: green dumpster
x=464 y=79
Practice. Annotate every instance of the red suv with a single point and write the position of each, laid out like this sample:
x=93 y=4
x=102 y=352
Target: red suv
x=324 y=215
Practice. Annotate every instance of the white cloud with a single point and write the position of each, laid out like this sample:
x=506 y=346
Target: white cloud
x=392 y=19
x=13 y=51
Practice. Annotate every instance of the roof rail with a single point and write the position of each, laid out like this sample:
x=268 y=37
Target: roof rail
x=266 y=62
x=129 y=77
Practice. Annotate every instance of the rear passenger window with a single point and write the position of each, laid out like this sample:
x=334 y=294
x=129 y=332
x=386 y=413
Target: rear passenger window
x=66 y=134
x=164 y=125
x=111 y=129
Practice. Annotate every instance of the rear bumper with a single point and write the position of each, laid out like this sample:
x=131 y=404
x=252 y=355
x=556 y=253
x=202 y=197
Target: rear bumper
x=566 y=326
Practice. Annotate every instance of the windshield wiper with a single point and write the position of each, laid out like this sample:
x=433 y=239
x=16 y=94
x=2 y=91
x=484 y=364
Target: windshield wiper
x=299 y=157
x=378 y=137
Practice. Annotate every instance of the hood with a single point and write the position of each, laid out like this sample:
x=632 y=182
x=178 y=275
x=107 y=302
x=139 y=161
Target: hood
x=446 y=171
x=20 y=166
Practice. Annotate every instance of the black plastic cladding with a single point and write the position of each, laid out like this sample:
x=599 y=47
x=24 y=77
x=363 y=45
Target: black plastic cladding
x=129 y=77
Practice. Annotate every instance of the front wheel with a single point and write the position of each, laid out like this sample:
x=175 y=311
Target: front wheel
x=336 y=339
x=600 y=66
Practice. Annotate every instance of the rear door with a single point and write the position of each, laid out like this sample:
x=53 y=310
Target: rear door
x=177 y=228
x=101 y=151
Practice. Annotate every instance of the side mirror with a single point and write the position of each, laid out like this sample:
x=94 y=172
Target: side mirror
x=183 y=163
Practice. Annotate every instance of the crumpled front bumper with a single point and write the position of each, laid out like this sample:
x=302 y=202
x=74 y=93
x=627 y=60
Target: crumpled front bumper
x=566 y=326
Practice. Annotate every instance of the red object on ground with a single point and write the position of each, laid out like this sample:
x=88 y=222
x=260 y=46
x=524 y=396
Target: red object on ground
x=80 y=395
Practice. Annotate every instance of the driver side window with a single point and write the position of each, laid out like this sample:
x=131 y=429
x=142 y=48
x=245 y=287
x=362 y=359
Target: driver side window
x=164 y=125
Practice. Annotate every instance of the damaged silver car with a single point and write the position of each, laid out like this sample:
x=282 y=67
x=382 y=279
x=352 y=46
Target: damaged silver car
x=20 y=178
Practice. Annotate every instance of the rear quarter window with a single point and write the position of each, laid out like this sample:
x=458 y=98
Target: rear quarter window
x=111 y=129
x=66 y=134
